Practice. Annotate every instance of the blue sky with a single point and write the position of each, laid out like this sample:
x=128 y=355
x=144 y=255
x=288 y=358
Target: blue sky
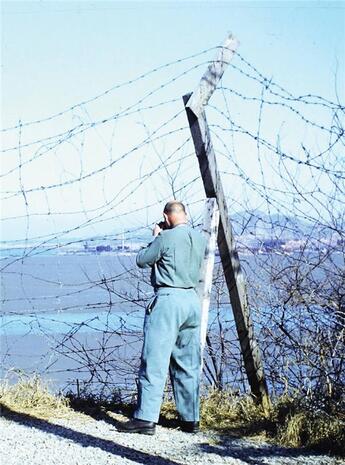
x=56 y=54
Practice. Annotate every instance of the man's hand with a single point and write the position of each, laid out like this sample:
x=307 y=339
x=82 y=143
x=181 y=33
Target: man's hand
x=156 y=230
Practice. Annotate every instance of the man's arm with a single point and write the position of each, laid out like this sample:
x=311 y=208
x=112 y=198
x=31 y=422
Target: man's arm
x=149 y=255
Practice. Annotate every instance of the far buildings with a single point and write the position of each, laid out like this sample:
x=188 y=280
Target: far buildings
x=246 y=244
x=115 y=246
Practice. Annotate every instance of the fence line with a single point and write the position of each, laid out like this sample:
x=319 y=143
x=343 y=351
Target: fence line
x=98 y=173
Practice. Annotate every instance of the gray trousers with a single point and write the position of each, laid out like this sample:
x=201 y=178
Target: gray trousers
x=171 y=342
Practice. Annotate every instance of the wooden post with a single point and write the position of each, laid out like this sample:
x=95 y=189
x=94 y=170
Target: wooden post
x=212 y=76
x=229 y=256
x=210 y=230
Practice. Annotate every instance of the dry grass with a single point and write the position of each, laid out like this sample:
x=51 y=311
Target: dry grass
x=31 y=395
x=290 y=422
x=316 y=430
x=223 y=409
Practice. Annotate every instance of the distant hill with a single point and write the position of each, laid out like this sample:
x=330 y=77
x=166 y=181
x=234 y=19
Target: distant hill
x=261 y=225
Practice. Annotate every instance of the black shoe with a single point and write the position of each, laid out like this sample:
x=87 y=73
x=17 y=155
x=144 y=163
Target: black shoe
x=137 y=426
x=189 y=426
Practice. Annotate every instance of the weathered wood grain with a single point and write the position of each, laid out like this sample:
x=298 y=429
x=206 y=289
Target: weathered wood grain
x=229 y=256
x=208 y=83
x=210 y=230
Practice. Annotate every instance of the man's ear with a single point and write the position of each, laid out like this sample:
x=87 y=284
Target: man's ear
x=166 y=218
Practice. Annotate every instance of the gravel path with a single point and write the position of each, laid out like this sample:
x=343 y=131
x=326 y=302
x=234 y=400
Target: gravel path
x=82 y=440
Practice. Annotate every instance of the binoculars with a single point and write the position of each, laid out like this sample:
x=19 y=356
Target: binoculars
x=163 y=225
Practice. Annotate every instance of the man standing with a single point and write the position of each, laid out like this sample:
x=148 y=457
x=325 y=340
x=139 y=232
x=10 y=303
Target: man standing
x=172 y=323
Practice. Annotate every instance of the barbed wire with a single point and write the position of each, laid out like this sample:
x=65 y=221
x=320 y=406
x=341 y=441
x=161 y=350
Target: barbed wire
x=113 y=88
x=285 y=194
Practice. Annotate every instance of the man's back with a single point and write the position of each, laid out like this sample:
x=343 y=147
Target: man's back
x=175 y=257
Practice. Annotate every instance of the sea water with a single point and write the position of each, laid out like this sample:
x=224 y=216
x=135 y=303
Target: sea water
x=62 y=315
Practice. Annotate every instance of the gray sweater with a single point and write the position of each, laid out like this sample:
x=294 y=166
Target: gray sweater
x=175 y=256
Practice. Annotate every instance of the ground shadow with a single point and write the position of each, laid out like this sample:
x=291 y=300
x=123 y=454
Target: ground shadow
x=86 y=440
x=99 y=411
x=228 y=444
x=256 y=454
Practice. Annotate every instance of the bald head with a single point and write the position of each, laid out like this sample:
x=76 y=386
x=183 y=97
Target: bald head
x=175 y=213
x=174 y=207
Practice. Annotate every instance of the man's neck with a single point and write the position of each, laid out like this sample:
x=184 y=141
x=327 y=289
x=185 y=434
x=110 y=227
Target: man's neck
x=179 y=224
